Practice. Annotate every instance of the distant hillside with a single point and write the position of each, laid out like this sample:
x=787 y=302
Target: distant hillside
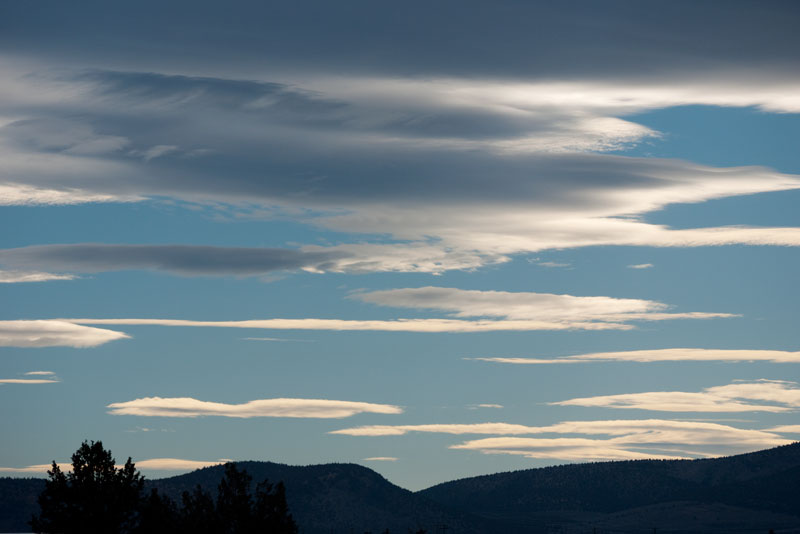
x=18 y=502
x=760 y=488
x=339 y=498
x=749 y=493
x=324 y=499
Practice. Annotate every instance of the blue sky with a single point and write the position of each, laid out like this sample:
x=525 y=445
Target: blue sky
x=439 y=241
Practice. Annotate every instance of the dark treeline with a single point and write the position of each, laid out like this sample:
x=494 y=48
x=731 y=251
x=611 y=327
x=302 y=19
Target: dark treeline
x=99 y=498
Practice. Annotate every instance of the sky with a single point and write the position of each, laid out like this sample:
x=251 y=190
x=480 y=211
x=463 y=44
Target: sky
x=436 y=239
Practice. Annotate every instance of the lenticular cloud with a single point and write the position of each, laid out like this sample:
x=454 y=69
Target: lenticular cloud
x=46 y=333
x=296 y=408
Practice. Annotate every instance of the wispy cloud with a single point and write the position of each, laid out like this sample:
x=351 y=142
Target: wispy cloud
x=175 y=464
x=17 y=277
x=641 y=266
x=786 y=429
x=758 y=396
x=277 y=339
x=281 y=407
x=538 y=140
x=631 y=439
x=576 y=449
x=153 y=464
x=469 y=310
x=381 y=459
x=43 y=377
x=54 y=333
x=194 y=260
x=27 y=381
x=553 y=264
x=661 y=355
x=666 y=430
x=527 y=305
x=477 y=406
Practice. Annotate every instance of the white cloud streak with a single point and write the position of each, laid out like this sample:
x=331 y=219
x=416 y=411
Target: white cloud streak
x=630 y=439
x=641 y=266
x=527 y=305
x=27 y=381
x=153 y=464
x=575 y=449
x=16 y=277
x=475 y=311
x=774 y=396
x=380 y=459
x=656 y=430
x=661 y=355
x=281 y=407
x=397 y=325
x=54 y=333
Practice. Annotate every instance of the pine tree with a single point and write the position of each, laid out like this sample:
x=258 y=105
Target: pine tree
x=95 y=498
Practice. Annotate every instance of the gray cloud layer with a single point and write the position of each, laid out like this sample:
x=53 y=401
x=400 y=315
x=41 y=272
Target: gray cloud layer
x=544 y=39
x=470 y=157
x=182 y=259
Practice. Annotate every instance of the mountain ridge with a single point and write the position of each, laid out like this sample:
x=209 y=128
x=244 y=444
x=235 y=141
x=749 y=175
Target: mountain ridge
x=752 y=491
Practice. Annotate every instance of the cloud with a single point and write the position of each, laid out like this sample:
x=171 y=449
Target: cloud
x=787 y=429
x=553 y=264
x=301 y=408
x=380 y=459
x=194 y=260
x=54 y=333
x=13 y=194
x=662 y=355
x=158 y=151
x=396 y=325
x=506 y=311
x=665 y=41
x=630 y=439
x=654 y=430
x=521 y=306
x=398 y=160
x=27 y=381
x=575 y=449
x=476 y=406
x=175 y=464
x=39 y=373
x=277 y=339
x=153 y=464
x=759 y=396
x=15 y=277
x=641 y=266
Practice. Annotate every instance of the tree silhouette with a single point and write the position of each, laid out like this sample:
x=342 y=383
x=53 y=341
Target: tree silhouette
x=99 y=498
x=94 y=498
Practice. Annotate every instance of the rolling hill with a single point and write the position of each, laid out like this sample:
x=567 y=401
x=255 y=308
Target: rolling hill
x=752 y=492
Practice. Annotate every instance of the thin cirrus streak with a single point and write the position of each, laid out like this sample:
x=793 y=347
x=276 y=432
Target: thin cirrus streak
x=469 y=309
x=776 y=396
x=280 y=407
x=660 y=355
x=153 y=464
x=54 y=333
x=27 y=381
x=17 y=277
x=630 y=439
x=654 y=430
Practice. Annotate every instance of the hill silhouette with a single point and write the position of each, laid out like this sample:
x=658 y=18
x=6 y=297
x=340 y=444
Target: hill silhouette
x=752 y=492
x=339 y=498
x=757 y=488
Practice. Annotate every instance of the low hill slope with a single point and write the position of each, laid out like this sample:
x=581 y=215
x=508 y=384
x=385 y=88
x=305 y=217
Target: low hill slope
x=338 y=498
x=755 y=483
